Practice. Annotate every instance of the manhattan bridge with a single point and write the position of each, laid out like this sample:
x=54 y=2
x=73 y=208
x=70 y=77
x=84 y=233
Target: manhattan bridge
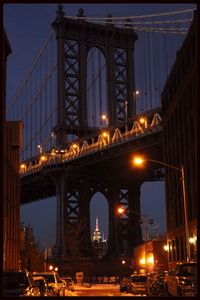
x=91 y=99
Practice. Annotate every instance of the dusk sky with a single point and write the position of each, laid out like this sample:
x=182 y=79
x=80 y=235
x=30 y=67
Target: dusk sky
x=27 y=26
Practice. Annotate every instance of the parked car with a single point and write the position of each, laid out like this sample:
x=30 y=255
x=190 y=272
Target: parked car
x=54 y=281
x=69 y=283
x=183 y=280
x=123 y=284
x=19 y=283
x=137 y=284
x=156 y=284
x=41 y=283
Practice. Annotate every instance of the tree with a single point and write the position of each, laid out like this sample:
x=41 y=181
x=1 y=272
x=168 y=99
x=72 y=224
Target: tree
x=32 y=257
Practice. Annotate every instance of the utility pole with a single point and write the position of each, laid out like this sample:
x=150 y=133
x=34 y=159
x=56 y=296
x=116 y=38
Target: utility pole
x=145 y=236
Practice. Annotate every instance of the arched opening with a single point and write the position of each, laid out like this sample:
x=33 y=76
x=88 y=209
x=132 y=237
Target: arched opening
x=99 y=225
x=96 y=89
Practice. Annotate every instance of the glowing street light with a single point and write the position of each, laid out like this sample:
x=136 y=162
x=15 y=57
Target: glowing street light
x=121 y=210
x=166 y=248
x=138 y=161
x=40 y=148
x=43 y=158
x=123 y=262
x=143 y=120
x=106 y=135
x=23 y=167
x=50 y=267
x=105 y=118
x=192 y=240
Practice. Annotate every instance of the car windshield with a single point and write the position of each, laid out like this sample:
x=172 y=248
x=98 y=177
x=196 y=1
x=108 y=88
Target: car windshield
x=139 y=279
x=49 y=278
x=15 y=280
x=188 y=270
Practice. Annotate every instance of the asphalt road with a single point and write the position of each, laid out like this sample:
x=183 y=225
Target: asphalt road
x=96 y=291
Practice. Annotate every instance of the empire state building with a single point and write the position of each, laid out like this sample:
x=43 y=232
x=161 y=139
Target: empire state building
x=99 y=243
x=97 y=234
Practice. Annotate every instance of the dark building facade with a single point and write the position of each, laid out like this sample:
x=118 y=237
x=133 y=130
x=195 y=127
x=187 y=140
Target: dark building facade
x=180 y=148
x=12 y=141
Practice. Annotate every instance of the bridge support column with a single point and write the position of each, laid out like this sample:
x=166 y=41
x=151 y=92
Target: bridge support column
x=135 y=214
x=113 y=246
x=59 y=181
x=124 y=231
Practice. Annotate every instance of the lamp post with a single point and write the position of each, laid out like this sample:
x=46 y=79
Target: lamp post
x=139 y=161
x=105 y=118
x=121 y=210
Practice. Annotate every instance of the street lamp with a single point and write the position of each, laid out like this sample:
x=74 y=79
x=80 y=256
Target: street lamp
x=40 y=148
x=105 y=118
x=122 y=210
x=50 y=267
x=106 y=135
x=139 y=161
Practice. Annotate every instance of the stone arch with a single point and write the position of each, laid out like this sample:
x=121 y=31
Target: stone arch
x=97 y=104
x=99 y=209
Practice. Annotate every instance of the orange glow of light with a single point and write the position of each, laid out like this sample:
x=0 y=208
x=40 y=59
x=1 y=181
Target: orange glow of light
x=166 y=247
x=191 y=240
x=138 y=161
x=142 y=261
x=43 y=158
x=75 y=146
x=142 y=120
x=150 y=260
x=105 y=134
x=121 y=210
x=22 y=166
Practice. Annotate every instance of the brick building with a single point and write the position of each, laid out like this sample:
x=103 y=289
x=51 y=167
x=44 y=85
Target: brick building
x=180 y=148
x=12 y=141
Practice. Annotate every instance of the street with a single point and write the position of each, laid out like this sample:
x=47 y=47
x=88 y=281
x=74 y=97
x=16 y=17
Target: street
x=98 y=290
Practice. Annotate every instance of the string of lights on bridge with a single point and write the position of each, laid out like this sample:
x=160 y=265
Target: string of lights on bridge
x=143 y=126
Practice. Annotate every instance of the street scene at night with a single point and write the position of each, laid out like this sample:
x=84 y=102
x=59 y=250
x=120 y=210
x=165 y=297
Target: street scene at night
x=99 y=150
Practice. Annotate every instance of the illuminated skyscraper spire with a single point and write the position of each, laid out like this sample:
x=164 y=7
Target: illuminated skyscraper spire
x=97 y=233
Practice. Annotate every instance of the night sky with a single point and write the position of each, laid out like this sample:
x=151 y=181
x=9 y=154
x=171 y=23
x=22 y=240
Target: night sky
x=27 y=26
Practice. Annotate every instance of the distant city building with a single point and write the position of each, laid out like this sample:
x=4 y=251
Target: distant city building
x=179 y=103
x=12 y=142
x=100 y=245
x=97 y=233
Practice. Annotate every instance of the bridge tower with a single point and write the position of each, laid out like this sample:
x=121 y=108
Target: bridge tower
x=75 y=38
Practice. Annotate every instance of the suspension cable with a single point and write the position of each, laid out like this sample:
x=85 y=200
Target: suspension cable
x=29 y=72
x=39 y=130
x=135 y=17
x=40 y=90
